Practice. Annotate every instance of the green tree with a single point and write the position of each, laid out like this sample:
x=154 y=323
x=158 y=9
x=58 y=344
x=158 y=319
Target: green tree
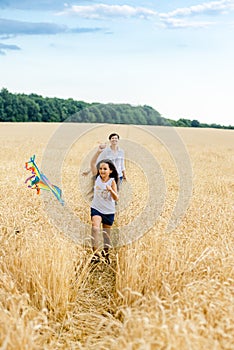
x=33 y=109
x=195 y=123
x=21 y=112
x=7 y=105
x=184 y=122
x=98 y=114
x=2 y=113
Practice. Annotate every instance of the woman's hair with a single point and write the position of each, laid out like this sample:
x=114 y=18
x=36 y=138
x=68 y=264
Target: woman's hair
x=112 y=167
x=113 y=134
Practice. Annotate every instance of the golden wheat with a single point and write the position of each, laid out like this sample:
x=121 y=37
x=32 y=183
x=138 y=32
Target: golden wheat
x=164 y=291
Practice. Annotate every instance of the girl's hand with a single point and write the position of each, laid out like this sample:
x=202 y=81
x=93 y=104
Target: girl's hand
x=101 y=147
x=109 y=188
x=113 y=192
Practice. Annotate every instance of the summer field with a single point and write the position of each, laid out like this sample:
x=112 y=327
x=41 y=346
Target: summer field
x=165 y=289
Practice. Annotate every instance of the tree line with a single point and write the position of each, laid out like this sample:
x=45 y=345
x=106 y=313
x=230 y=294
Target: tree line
x=35 y=108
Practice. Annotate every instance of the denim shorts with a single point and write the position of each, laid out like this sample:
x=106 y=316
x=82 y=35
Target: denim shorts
x=107 y=219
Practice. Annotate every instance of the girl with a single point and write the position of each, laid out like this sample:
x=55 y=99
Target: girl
x=103 y=205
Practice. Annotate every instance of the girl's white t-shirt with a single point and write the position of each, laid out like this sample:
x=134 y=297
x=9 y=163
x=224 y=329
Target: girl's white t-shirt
x=102 y=200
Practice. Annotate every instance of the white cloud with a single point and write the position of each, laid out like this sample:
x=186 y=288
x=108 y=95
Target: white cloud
x=175 y=19
x=100 y=11
x=181 y=23
x=206 y=8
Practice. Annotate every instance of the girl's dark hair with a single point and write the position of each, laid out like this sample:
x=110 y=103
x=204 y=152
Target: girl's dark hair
x=112 y=167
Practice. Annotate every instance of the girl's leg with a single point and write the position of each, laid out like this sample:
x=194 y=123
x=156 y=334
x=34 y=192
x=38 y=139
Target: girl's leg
x=106 y=237
x=96 y=223
x=107 y=243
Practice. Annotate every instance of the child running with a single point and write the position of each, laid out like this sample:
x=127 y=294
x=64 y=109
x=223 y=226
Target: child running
x=103 y=205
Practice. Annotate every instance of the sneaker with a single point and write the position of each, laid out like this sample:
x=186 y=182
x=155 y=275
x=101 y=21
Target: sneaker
x=95 y=259
x=106 y=257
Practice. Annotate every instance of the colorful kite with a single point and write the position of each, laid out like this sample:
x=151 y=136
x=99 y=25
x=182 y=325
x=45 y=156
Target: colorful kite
x=40 y=182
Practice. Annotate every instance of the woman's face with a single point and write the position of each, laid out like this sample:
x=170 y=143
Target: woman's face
x=114 y=140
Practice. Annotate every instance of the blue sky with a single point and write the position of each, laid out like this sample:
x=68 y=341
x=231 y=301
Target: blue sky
x=176 y=56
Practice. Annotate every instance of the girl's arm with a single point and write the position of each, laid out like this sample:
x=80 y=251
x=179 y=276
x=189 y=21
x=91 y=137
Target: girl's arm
x=93 y=162
x=113 y=190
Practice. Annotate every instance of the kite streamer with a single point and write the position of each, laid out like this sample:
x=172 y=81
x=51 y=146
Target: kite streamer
x=40 y=182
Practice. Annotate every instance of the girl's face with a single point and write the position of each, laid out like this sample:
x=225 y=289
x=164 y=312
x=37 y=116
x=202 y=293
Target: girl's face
x=104 y=170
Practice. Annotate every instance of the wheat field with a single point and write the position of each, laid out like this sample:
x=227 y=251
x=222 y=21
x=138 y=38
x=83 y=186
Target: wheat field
x=163 y=290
